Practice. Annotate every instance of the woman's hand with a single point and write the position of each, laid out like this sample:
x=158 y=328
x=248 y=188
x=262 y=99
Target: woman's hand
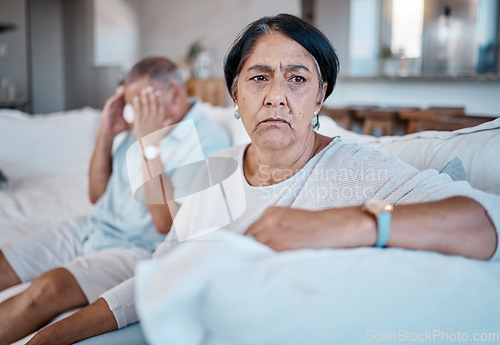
x=149 y=111
x=112 y=121
x=283 y=228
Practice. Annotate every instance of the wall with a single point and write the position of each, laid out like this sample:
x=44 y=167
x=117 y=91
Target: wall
x=165 y=28
x=47 y=56
x=79 y=75
x=14 y=65
x=115 y=33
x=331 y=19
x=168 y=29
x=86 y=84
x=478 y=98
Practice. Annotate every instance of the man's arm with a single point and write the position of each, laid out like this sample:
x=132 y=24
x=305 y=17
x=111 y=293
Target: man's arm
x=112 y=123
x=94 y=319
x=162 y=214
x=100 y=167
x=159 y=189
x=151 y=125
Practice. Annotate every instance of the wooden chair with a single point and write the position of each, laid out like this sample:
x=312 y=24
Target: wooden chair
x=452 y=123
x=357 y=122
x=385 y=119
x=208 y=90
x=342 y=116
x=347 y=116
x=418 y=118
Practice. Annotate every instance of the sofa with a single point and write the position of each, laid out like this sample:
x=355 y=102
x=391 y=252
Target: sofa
x=45 y=160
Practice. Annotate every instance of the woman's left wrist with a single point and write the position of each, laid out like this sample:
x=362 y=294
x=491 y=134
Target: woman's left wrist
x=367 y=228
x=356 y=228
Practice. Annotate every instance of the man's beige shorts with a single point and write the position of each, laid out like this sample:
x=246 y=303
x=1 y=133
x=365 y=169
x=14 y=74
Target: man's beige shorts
x=60 y=246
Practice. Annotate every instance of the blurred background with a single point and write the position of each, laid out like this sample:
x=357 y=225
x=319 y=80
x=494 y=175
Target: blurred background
x=57 y=55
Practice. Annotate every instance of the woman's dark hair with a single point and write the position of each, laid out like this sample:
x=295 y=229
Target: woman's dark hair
x=313 y=40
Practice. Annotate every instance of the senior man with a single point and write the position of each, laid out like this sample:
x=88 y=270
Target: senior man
x=72 y=264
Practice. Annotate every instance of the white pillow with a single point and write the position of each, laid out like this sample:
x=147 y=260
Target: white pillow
x=230 y=289
x=51 y=144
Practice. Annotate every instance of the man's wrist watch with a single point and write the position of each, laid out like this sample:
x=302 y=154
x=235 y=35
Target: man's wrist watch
x=151 y=152
x=382 y=212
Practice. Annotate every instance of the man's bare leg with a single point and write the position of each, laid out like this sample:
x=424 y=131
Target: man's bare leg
x=94 y=319
x=8 y=277
x=49 y=295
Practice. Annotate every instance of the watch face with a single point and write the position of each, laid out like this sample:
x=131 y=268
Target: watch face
x=377 y=206
x=150 y=152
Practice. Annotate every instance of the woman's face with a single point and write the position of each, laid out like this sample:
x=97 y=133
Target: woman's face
x=279 y=76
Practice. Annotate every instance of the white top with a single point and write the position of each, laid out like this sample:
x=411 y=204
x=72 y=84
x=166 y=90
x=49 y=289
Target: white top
x=343 y=174
x=118 y=219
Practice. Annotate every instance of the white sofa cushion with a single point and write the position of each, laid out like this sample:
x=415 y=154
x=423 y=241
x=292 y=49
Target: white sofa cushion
x=51 y=144
x=225 y=117
x=477 y=147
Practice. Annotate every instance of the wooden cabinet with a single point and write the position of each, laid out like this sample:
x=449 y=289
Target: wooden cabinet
x=211 y=90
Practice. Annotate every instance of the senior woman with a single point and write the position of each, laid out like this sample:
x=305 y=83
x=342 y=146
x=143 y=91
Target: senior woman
x=305 y=190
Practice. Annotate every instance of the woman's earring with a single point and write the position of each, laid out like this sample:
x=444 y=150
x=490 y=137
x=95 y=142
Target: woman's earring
x=236 y=113
x=315 y=121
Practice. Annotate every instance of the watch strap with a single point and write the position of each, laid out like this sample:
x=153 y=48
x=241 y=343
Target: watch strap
x=384 y=229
